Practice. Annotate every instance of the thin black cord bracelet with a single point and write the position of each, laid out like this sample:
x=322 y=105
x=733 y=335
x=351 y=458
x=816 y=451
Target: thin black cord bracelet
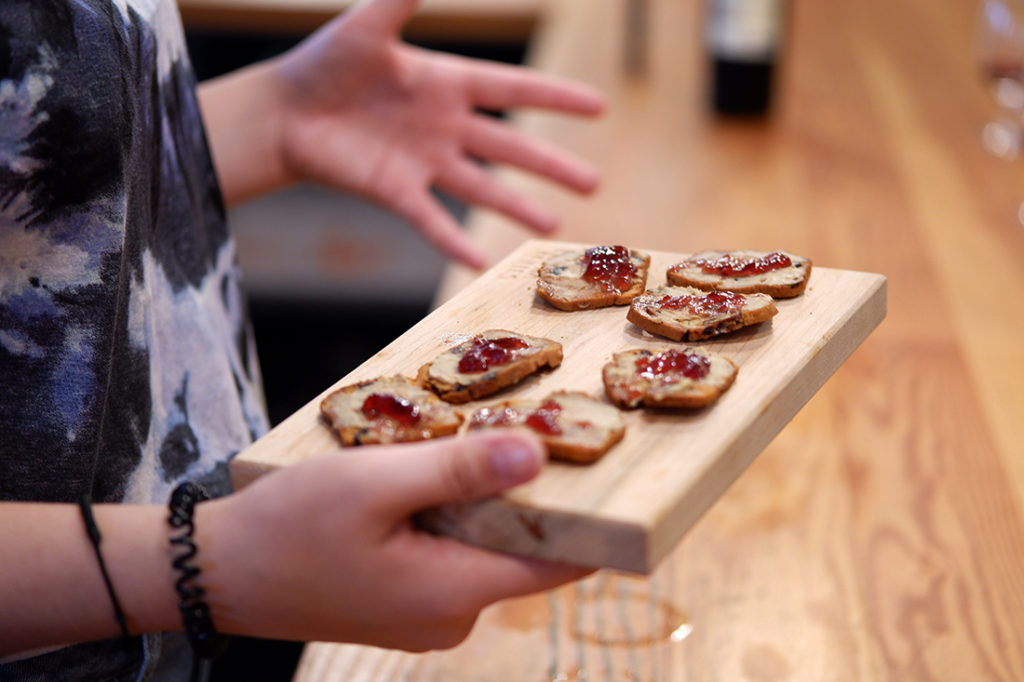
x=206 y=642
x=85 y=504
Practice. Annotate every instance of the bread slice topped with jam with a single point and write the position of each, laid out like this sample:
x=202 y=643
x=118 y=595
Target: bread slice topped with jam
x=574 y=426
x=776 y=273
x=487 y=363
x=670 y=378
x=691 y=314
x=392 y=409
x=597 y=277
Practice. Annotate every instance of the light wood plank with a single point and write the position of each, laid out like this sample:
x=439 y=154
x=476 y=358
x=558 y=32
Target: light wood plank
x=629 y=509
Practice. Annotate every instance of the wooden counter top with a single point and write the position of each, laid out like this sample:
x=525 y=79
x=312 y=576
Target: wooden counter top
x=880 y=536
x=494 y=20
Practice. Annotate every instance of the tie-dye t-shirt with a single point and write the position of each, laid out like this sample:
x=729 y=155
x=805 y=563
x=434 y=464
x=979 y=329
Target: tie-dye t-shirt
x=126 y=362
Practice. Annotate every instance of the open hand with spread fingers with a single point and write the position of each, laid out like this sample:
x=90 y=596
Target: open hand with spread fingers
x=355 y=108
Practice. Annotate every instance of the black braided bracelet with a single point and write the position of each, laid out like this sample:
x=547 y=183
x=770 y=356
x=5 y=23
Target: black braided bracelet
x=85 y=504
x=206 y=642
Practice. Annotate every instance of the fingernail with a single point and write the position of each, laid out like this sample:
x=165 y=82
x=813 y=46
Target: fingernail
x=515 y=462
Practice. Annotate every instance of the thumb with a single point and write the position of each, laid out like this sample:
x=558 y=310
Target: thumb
x=383 y=17
x=463 y=469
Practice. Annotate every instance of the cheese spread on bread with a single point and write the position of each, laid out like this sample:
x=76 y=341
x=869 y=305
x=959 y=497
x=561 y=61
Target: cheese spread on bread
x=776 y=273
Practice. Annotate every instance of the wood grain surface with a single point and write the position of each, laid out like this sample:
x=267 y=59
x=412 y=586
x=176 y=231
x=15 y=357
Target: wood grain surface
x=505 y=21
x=629 y=509
x=880 y=536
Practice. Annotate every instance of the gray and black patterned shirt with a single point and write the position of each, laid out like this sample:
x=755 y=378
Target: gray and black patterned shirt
x=126 y=362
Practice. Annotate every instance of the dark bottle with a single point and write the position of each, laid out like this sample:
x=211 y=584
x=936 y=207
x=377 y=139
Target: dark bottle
x=743 y=41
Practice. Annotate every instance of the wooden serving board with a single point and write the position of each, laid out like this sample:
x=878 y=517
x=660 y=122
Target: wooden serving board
x=630 y=508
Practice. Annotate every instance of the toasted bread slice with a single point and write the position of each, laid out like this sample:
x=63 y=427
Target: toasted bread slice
x=392 y=409
x=574 y=426
x=672 y=378
x=692 y=314
x=597 y=277
x=776 y=273
x=488 y=363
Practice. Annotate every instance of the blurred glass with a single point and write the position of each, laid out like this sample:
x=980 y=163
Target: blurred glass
x=999 y=54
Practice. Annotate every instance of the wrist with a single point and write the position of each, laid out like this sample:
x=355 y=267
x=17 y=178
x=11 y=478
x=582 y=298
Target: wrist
x=141 y=560
x=214 y=559
x=137 y=552
x=243 y=113
x=206 y=642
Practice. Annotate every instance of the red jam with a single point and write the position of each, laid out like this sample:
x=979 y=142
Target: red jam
x=609 y=267
x=486 y=353
x=731 y=266
x=690 y=365
x=397 y=409
x=711 y=303
x=543 y=419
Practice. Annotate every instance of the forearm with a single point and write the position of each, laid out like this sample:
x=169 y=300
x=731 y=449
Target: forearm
x=322 y=550
x=242 y=112
x=52 y=590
